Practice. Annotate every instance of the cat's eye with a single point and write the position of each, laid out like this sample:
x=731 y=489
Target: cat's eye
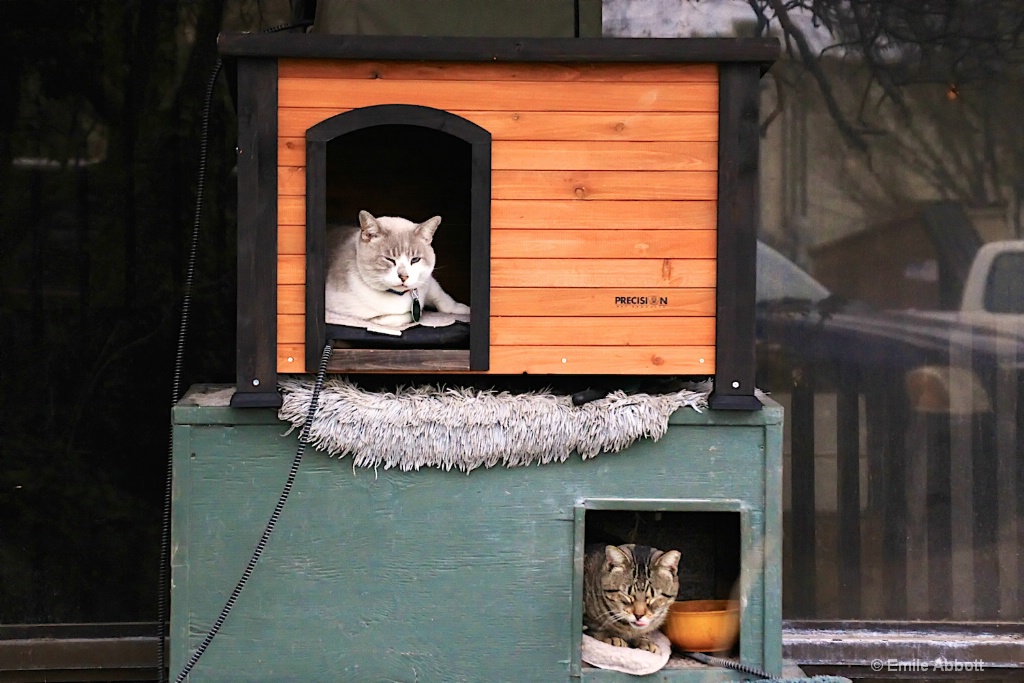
x=389 y=260
x=415 y=259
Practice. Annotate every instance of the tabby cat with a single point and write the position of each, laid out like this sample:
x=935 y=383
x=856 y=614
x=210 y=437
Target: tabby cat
x=381 y=271
x=627 y=591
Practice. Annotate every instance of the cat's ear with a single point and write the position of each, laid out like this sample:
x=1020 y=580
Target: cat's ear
x=669 y=560
x=426 y=229
x=370 y=228
x=615 y=557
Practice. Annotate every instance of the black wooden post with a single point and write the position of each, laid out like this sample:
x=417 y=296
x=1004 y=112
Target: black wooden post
x=893 y=424
x=738 y=139
x=802 y=493
x=257 y=235
x=939 y=515
x=848 y=550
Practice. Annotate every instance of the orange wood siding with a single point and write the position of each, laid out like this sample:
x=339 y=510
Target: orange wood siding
x=603 y=210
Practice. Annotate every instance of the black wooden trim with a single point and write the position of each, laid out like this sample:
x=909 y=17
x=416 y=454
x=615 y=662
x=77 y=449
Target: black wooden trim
x=316 y=248
x=257 y=235
x=848 y=543
x=322 y=45
x=479 y=139
x=893 y=424
x=390 y=360
x=738 y=139
x=79 y=652
x=480 y=256
x=398 y=114
x=802 y=508
x=939 y=514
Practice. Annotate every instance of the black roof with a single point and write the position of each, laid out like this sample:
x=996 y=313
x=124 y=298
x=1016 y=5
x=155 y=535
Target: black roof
x=668 y=50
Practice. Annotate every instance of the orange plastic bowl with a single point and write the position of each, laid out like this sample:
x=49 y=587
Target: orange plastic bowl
x=703 y=625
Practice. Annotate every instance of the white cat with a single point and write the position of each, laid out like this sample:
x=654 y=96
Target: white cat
x=380 y=271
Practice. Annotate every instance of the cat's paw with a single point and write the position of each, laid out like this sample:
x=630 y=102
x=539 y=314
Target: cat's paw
x=644 y=644
x=614 y=640
x=457 y=309
x=393 y=319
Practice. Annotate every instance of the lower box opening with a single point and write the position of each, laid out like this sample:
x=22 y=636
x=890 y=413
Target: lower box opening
x=709 y=543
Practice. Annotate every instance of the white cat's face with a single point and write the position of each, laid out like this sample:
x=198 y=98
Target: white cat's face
x=394 y=253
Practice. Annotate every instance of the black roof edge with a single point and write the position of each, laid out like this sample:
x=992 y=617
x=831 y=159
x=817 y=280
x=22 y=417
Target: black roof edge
x=393 y=48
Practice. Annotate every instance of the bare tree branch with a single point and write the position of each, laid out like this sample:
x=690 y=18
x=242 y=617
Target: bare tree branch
x=810 y=61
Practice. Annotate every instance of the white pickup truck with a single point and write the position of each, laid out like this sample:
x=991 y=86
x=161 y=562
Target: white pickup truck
x=988 y=327
x=994 y=290
x=955 y=362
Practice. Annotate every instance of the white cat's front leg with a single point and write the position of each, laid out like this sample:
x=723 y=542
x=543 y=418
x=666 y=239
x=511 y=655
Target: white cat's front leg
x=439 y=299
x=393 y=319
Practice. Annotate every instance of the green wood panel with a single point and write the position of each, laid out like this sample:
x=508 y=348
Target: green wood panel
x=426 y=576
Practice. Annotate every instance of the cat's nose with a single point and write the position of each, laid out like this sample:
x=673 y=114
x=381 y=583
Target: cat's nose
x=403 y=277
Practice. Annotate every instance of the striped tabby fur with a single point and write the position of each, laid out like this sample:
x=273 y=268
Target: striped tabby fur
x=627 y=591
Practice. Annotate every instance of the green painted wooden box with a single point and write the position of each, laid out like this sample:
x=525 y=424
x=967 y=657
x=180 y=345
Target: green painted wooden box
x=442 y=576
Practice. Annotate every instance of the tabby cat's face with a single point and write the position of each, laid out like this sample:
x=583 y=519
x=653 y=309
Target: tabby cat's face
x=639 y=584
x=394 y=253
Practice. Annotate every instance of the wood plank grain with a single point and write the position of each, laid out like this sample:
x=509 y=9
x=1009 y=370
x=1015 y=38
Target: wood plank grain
x=596 y=301
x=602 y=331
x=291 y=239
x=568 y=244
x=291 y=299
x=634 y=273
x=291 y=328
x=499 y=95
x=519 y=214
x=584 y=185
x=560 y=155
x=627 y=360
x=290 y=358
x=476 y=71
x=530 y=214
x=291 y=269
x=291 y=181
x=600 y=156
x=291 y=210
x=291 y=151
x=539 y=301
x=555 y=125
x=542 y=301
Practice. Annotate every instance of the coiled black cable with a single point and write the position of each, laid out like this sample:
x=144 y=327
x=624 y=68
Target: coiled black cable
x=165 y=525
x=271 y=523
x=711 y=660
x=179 y=355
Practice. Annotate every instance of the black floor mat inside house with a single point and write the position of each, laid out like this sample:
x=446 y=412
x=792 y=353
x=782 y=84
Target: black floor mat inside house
x=454 y=336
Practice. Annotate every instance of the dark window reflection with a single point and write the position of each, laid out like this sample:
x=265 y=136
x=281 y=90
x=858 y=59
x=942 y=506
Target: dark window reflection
x=1005 y=290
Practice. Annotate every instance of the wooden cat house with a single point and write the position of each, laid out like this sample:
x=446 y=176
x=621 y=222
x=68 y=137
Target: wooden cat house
x=598 y=196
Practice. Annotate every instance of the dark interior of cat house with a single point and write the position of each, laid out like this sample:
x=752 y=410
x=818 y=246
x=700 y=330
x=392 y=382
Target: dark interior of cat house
x=407 y=162
x=709 y=543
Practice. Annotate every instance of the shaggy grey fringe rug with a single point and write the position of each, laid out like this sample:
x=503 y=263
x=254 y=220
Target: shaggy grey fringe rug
x=459 y=428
